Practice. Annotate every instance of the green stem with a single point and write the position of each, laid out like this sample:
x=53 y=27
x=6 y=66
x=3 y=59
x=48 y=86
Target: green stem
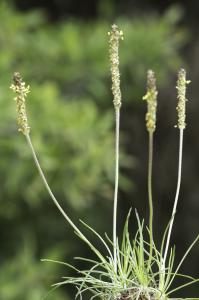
x=81 y=235
x=176 y=195
x=150 y=196
x=117 y=129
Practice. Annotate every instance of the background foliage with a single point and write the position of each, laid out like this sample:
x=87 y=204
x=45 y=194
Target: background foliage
x=72 y=121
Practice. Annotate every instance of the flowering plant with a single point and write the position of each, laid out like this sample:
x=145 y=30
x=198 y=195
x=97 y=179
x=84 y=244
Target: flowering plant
x=133 y=269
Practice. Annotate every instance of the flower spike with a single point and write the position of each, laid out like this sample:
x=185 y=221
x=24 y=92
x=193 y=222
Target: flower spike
x=21 y=90
x=181 y=106
x=151 y=98
x=115 y=35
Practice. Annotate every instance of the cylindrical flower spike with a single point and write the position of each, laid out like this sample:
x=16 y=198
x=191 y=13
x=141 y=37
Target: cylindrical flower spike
x=115 y=35
x=181 y=106
x=21 y=90
x=151 y=98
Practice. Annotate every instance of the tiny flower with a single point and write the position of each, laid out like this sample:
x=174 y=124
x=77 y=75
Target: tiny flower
x=21 y=90
x=151 y=98
x=115 y=35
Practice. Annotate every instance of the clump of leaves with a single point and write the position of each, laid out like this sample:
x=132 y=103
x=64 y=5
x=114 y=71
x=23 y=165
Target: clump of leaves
x=134 y=278
x=133 y=269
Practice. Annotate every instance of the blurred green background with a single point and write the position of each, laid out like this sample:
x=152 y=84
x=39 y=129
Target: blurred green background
x=61 y=48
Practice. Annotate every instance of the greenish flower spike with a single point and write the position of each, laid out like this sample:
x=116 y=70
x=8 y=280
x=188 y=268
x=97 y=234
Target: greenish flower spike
x=151 y=98
x=181 y=107
x=115 y=36
x=21 y=90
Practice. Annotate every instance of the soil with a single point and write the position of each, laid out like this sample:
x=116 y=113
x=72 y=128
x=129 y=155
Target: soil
x=128 y=296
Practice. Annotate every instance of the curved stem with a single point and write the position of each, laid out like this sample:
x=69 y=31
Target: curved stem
x=150 y=196
x=117 y=128
x=82 y=236
x=176 y=195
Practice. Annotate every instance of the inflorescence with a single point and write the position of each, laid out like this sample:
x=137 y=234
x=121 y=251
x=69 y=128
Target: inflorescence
x=151 y=98
x=21 y=90
x=115 y=36
x=181 y=88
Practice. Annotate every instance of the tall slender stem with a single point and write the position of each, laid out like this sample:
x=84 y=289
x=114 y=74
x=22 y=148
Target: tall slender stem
x=117 y=135
x=20 y=88
x=28 y=139
x=115 y=36
x=181 y=109
x=150 y=196
x=176 y=195
x=151 y=98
